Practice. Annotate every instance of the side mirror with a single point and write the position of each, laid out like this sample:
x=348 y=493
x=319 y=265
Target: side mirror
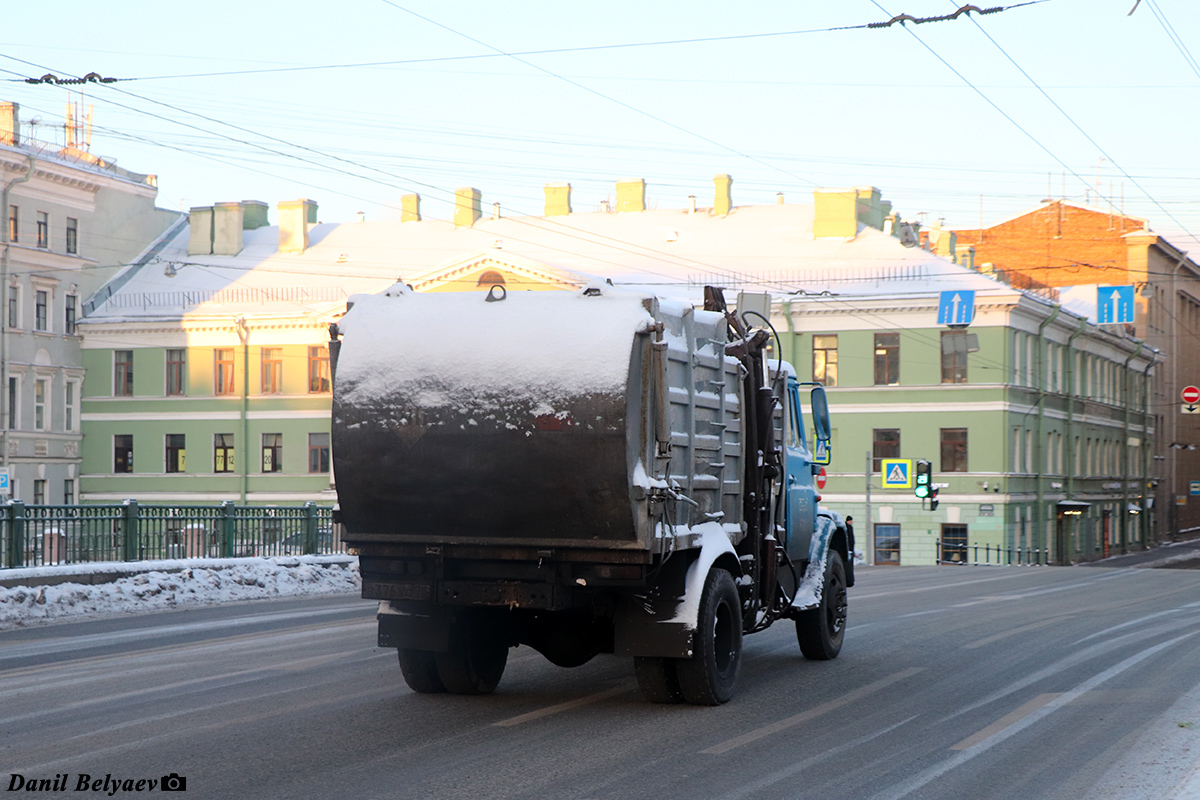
x=820 y=413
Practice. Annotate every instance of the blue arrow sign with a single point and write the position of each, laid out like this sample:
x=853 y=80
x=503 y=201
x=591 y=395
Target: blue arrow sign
x=1114 y=304
x=956 y=307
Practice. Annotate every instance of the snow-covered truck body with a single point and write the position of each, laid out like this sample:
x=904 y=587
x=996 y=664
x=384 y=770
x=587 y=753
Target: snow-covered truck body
x=585 y=472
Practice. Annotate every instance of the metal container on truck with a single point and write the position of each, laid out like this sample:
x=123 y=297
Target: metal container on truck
x=580 y=472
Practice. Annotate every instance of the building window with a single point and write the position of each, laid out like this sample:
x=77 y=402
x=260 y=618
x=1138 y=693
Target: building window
x=123 y=373
x=69 y=412
x=176 y=452
x=223 y=371
x=69 y=492
x=886 y=445
x=14 y=228
x=954 y=450
x=272 y=370
x=176 y=367
x=14 y=394
x=39 y=404
x=41 y=310
x=43 y=229
x=223 y=452
x=14 y=306
x=69 y=326
x=72 y=236
x=39 y=493
x=825 y=360
x=954 y=356
x=318 y=369
x=123 y=452
x=272 y=452
x=318 y=452
x=887 y=543
x=887 y=359
x=953 y=544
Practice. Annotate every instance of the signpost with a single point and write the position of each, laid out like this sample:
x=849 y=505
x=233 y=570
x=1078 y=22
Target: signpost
x=824 y=452
x=1191 y=400
x=1114 y=304
x=956 y=307
x=5 y=483
x=897 y=473
x=822 y=477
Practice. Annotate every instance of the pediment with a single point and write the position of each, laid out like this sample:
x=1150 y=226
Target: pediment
x=478 y=271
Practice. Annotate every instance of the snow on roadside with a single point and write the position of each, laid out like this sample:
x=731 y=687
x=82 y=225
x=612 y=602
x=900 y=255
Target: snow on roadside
x=170 y=584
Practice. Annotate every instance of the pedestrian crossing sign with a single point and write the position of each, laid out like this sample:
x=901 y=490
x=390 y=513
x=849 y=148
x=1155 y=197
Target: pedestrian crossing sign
x=823 y=454
x=897 y=473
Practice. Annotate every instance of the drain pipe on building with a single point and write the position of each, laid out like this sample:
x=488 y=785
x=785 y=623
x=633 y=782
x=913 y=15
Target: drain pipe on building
x=243 y=331
x=4 y=321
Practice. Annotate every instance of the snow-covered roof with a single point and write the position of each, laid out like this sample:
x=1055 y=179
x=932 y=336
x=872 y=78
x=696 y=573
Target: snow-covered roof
x=669 y=252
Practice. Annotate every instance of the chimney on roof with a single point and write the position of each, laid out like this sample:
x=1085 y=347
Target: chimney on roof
x=10 y=124
x=466 y=207
x=631 y=195
x=410 y=208
x=723 y=201
x=227 y=229
x=294 y=219
x=558 y=199
x=254 y=215
x=834 y=214
x=200 y=231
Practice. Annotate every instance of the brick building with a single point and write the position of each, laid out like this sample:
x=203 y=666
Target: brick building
x=1078 y=249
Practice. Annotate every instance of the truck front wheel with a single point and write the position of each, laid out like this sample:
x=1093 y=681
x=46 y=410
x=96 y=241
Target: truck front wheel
x=820 y=630
x=709 y=676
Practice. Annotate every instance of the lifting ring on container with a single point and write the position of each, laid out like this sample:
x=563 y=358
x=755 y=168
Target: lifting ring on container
x=492 y=297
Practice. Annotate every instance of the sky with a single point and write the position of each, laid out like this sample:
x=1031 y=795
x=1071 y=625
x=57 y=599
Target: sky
x=354 y=104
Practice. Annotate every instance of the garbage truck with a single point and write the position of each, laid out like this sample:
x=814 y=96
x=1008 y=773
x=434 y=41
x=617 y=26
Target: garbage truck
x=588 y=472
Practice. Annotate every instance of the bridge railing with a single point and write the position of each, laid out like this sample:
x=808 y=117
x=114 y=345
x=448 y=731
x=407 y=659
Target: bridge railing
x=33 y=536
x=989 y=554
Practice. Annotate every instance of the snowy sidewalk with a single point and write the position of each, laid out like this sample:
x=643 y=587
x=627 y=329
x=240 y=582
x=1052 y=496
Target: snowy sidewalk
x=47 y=594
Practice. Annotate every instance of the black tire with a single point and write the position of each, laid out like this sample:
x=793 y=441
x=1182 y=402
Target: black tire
x=709 y=676
x=474 y=665
x=420 y=671
x=658 y=679
x=820 y=631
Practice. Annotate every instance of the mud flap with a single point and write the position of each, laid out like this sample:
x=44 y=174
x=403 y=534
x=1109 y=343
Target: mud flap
x=662 y=623
x=415 y=626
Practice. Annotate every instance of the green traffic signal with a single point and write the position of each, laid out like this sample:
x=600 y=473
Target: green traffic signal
x=924 y=477
x=922 y=490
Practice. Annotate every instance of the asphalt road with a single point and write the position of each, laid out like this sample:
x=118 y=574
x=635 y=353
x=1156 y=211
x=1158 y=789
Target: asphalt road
x=953 y=683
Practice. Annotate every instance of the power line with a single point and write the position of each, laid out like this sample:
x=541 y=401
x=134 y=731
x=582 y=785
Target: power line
x=1077 y=127
x=902 y=19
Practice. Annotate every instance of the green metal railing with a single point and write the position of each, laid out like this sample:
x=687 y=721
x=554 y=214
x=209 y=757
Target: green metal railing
x=32 y=536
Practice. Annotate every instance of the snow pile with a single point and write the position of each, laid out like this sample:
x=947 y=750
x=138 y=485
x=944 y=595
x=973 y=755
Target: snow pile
x=455 y=350
x=205 y=582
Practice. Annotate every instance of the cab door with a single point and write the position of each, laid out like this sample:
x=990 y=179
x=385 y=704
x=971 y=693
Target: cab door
x=799 y=490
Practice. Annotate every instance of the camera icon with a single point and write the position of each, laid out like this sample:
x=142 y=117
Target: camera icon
x=173 y=783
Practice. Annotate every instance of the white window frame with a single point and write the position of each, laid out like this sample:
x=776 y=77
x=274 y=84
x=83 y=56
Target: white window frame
x=71 y=389
x=14 y=410
x=45 y=407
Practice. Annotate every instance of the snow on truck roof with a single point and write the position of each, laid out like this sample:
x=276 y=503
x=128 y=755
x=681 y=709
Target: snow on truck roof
x=445 y=348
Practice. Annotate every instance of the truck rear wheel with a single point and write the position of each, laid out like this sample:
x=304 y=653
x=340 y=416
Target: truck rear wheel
x=657 y=679
x=820 y=630
x=474 y=664
x=420 y=671
x=709 y=676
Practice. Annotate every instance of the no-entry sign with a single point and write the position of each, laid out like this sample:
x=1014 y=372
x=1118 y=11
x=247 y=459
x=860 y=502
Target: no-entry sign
x=1190 y=394
x=821 y=478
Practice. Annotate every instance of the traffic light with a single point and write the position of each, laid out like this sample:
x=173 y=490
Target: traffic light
x=933 y=501
x=924 y=478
